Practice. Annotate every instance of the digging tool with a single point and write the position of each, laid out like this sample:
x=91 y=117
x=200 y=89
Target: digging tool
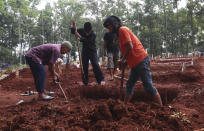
x=122 y=78
x=80 y=60
x=29 y=92
x=121 y=82
x=119 y=77
x=58 y=83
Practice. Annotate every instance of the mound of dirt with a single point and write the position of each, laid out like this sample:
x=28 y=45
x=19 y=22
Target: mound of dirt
x=100 y=108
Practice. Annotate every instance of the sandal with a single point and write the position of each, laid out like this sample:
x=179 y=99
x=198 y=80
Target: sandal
x=45 y=97
x=49 y=93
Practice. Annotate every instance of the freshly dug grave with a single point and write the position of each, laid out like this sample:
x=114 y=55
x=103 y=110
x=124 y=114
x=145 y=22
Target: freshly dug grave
x=97 y=108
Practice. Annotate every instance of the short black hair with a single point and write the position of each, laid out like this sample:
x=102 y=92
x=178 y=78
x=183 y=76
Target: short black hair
x=87 y=27
x=112 y=20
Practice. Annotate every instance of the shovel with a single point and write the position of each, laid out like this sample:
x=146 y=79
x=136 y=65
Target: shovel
x=58 y=83
x=121 y=82
x=29 y=92
x=79 y=53
x=122 y=79
x=80 y=60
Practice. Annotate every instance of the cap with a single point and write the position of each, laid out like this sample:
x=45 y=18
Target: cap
x=67 y=44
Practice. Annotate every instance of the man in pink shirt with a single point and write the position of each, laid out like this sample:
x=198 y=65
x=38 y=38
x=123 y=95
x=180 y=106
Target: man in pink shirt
x=41 y=55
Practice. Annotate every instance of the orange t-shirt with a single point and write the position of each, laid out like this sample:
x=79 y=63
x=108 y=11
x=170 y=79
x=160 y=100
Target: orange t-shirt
x=138 y=52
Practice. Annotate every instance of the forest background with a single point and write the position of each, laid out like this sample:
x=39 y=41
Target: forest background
x=161 y=25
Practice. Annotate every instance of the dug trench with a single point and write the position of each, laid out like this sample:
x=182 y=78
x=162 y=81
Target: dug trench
x=93 y=92
x=97 y=108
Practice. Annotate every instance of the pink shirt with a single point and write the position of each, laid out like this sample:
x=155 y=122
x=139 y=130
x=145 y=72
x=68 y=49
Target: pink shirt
x=44 y=54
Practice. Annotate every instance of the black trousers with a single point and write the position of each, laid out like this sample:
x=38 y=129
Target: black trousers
x=92 y=56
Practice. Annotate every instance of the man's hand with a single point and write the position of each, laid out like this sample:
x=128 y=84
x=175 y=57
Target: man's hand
x=74 y=23
x=56 y=77
x=121 y=64
x=105 y=53
x=77 y=35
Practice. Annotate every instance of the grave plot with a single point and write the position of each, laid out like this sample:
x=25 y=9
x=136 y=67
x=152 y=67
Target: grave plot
x=95 y=107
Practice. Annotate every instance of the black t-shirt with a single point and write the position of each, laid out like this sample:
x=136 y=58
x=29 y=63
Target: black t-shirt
x=89 y=43
x=112 y=42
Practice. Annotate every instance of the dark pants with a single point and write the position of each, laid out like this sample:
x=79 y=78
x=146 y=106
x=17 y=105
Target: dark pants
x=86 y=56
x=39 y=74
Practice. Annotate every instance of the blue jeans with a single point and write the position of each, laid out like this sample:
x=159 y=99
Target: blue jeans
x=39 y=74
x=142 y=70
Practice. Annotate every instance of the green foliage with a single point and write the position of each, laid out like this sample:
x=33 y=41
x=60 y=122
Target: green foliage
x=157 y=23
x=6 y=55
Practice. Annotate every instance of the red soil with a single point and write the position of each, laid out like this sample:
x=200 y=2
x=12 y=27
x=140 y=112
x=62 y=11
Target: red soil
x=99 y=108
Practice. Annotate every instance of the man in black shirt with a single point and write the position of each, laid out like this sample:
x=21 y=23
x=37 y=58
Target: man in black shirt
x=111 y=49
x=87 y=36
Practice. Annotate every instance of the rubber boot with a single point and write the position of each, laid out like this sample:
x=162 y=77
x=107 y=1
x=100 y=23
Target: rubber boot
x=157 y=99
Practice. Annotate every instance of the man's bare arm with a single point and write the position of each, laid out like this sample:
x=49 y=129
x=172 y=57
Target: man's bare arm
x=128 y=51
x=105 y=47
x=52 y=71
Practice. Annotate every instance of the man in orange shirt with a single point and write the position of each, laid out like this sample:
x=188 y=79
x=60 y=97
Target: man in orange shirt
x=136 y=57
